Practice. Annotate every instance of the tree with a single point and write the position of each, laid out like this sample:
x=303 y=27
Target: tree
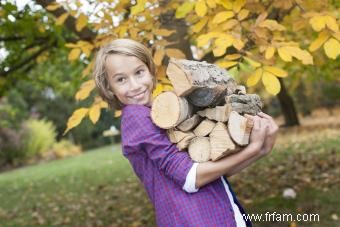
x=255 y=40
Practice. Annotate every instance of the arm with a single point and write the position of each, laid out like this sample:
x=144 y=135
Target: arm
x=210 y=171
x=140 y=136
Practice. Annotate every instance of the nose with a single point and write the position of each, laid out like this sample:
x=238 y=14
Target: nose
x=134 y=85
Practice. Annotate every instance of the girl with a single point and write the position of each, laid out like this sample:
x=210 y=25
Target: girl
x=183 y=193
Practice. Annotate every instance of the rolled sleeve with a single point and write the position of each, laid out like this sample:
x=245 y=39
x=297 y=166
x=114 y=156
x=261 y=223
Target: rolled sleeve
x=140 y=134
x=190 y=182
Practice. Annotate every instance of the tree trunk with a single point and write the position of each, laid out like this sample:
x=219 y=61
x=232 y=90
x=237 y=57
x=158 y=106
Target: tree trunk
x=287 y=106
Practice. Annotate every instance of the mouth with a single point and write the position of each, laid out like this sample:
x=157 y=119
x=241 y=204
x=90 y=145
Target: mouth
x=139 y=95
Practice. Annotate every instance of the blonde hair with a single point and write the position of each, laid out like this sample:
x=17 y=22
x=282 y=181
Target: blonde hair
x=126 y=47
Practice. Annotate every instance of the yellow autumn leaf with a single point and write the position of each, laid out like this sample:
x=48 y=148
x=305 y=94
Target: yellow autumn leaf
x=71 y=45
x=53 y=6
x=317 y=43
x=276 y=71
x=269 y=52
x=300 y=54
x=94 y=113
x=163 y=32
x=85 y=90
x=200 y=25
x=254 y=78
x=157 y=90
x=227 y=4
x=103 y=104
x=222 y=16
x=238 y=4
x=242 y=14
x=252 y=62
x=271 y=83
x=229 y=24
x=336 y=35
x=60 y=20
x=158 y=56
x=81 y=22
x=211 y=3
x=219 y=51
x=202 y=40
x=232 y=57
x=332 y=48
x=238 y=44
x=74 y=54
x=331 y=23
x=226 y=64
x=284 y=54
x=272 y=25
x=76 y=118
x=201 y=8
x=176 y=53
x=318 y=22
x=184 y=9
x=118 y=113
x=139 y=7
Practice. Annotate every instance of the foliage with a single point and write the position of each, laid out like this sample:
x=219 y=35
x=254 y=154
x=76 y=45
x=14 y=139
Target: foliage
x=65 y=148
x=10 y=146
x=39 y=136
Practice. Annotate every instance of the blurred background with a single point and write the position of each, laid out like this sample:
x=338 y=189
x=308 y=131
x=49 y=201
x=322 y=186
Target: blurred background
x=60 y=151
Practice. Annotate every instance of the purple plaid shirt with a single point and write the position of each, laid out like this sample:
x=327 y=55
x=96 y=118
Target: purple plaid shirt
x=162 y=168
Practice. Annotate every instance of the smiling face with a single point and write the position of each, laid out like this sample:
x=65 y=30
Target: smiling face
x=129 y=79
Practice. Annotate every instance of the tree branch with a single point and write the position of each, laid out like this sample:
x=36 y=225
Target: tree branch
x=26 y=61
x=70 y=23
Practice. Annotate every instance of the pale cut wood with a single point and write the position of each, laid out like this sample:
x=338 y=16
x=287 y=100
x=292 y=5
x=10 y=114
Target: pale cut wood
x=239 y=128
x=218 y=113
x=168 y=110
x=204 y=84
x=221 y=144
x=184 y=143
x=190 y=123
x=199 y=149
x=177 y=135
x=204 y=128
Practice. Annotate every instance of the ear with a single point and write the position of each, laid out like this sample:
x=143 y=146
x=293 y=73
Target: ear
x=110 y=93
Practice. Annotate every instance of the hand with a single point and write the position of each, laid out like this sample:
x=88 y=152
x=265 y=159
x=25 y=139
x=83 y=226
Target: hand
x=273 y=129
x=258 y=132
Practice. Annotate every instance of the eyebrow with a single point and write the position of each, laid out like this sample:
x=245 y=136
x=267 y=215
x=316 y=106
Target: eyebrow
x=117 y=74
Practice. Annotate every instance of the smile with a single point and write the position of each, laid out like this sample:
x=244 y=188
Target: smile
x=139 y=95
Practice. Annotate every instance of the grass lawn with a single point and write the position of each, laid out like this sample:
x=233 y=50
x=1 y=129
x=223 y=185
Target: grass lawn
x=99 y=188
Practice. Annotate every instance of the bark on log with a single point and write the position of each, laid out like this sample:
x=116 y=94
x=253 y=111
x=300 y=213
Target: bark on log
x=190 y=123
x=204 y=84
x=221 y=144
x=239 y=128
x=199 y=149
x=249 y=103
x=204 y=128
x=168 y=110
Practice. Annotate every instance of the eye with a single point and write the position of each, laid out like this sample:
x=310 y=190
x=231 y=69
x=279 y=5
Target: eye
x=120 y=79
x=140 y=71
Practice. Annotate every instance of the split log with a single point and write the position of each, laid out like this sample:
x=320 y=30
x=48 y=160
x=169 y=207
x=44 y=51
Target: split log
x=248 y=103
x=241 y=90
x=190 y=123
x=221 y=144
x=239 y=128
x=199 y=149
x=202 y=83
x=204 y=128
x=168 y=110
x=184 y=143
x=176 y=136
x=218 y=113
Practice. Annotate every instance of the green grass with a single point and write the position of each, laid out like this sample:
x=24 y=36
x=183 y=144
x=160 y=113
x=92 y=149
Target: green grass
x=99 y=188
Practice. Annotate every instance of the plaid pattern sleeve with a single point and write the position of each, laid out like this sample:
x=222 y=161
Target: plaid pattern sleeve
x=141 y=134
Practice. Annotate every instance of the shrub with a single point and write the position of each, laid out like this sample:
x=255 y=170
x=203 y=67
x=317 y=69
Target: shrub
x=39 y=136
x=10 y=146
x=65 y=148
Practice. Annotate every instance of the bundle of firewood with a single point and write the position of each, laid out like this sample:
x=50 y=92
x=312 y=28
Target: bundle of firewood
x=203 y=114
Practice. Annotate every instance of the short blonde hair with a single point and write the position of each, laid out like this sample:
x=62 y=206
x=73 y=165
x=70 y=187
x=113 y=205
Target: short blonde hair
x=126 y=47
